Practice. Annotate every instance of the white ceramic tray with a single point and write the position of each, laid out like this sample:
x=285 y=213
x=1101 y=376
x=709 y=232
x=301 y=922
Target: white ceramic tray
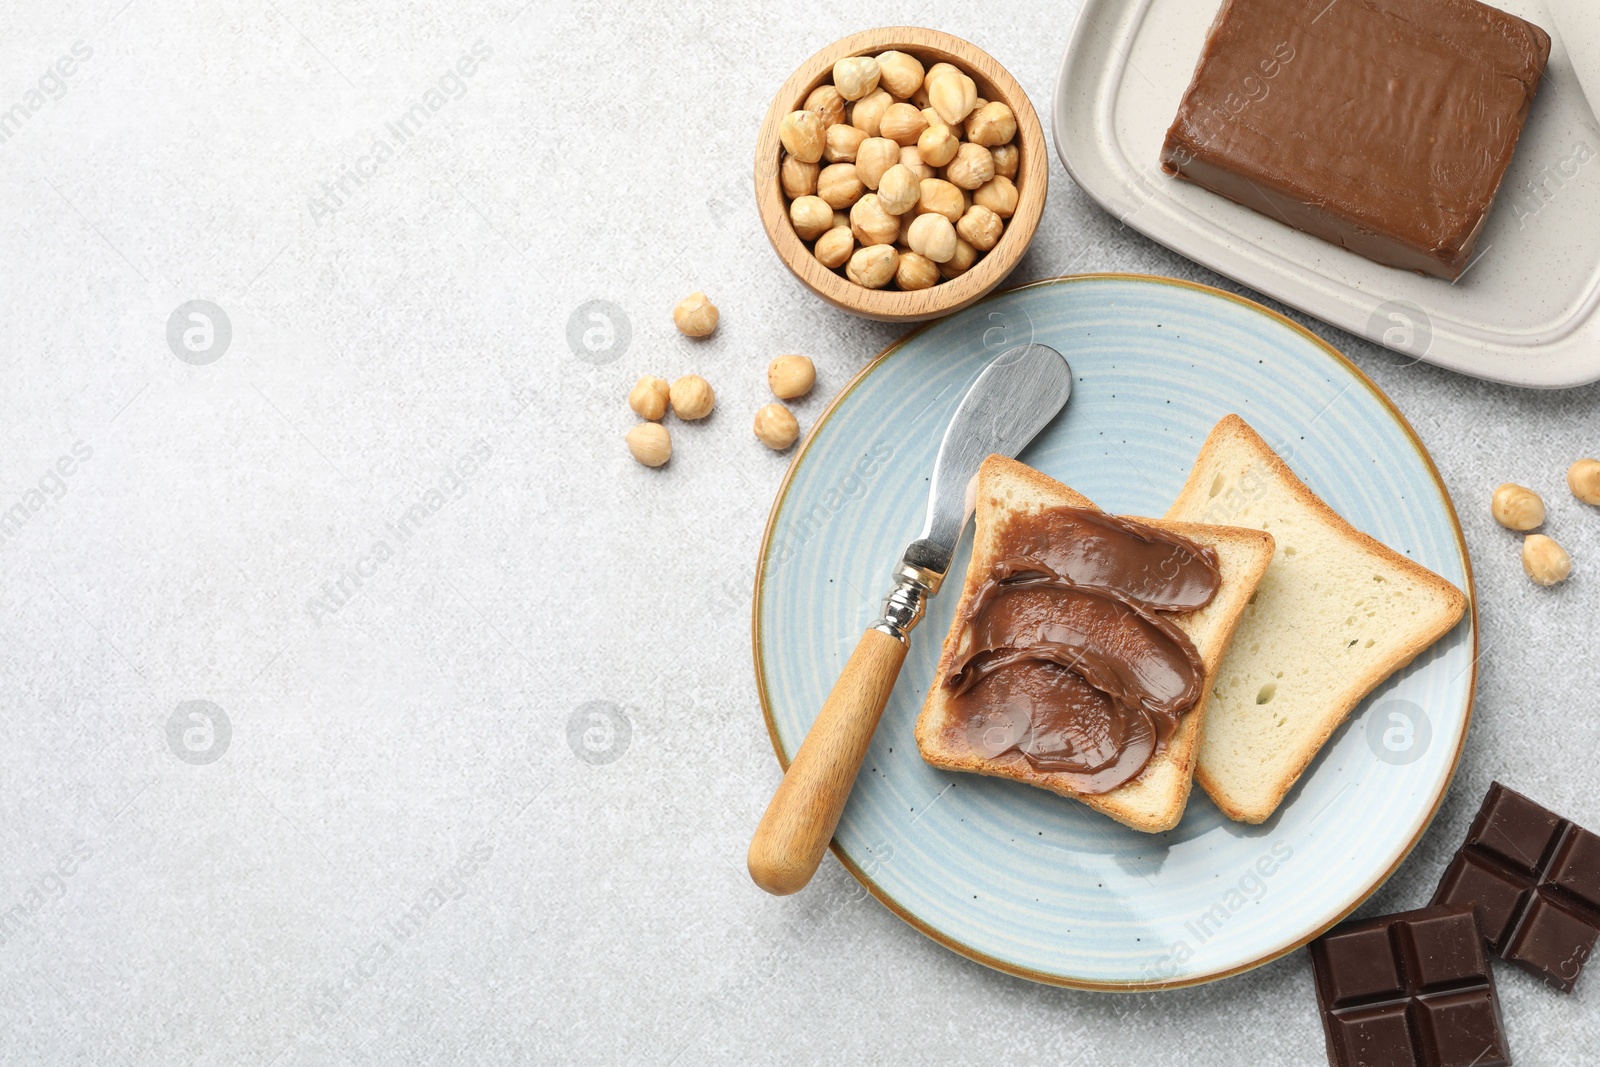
x=1524 y=313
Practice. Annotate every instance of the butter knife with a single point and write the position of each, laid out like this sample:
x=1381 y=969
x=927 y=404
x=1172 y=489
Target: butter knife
x=1013 y=398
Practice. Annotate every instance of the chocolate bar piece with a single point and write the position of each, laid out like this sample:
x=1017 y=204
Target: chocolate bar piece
x=1384 y=126
x=1534 y=878
x=1409 y=990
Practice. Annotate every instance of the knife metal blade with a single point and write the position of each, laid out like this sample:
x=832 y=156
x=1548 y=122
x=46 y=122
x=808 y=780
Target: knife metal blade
x=1013 y=398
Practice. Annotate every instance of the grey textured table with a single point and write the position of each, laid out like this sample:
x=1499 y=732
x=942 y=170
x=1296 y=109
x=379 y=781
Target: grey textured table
x=383 y=530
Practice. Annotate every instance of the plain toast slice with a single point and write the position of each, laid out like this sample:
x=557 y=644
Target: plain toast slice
x=1154 y=801
x=1336 y=614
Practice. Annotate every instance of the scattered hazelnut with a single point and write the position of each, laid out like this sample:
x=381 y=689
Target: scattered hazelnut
x=791 y=376
x=952 y=94
x=802 y=135
x=812 y=217
x=991 y=125
x=916 y=272
x=899 y=189
x=834 y=247
x=692 y=397
x=931 y=235
x=911 y=159
x=798 y=179
x=980 y=227
x=1583 y=478
x=998 y=195
x=695 y=315
x=958 y=264
x=899 y=73
x=1005 y=160
x=867 y=113
x=1546 y=562
x=828 y=103
x=873 y=266
x=938 y=145
x=841 y=143
x=873 y=157
x=942 y=198
x=856 y=76
x=1516 y=507
x=871 y=224
x=776 y=426
x=902 y=124
x=839 y=185
x=972 y=167
x=648 y=397
x=650 y=443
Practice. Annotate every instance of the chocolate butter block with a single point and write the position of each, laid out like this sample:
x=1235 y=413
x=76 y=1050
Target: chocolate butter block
x=1534 y=879
x=1384 y=126
x=1409 y=990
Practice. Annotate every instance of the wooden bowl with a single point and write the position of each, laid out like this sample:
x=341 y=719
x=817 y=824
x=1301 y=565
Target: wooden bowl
x=893 y=305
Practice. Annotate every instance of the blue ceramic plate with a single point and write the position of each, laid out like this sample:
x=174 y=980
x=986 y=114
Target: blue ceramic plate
x=1029 y=882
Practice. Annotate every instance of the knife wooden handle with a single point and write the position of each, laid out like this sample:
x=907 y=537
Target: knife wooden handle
x=801 y=818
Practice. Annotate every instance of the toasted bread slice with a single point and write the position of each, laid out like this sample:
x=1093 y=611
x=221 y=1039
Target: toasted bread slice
x=1336 y=614
x=1153 y=801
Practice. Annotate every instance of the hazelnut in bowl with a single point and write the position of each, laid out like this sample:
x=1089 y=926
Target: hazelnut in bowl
x=900 y=173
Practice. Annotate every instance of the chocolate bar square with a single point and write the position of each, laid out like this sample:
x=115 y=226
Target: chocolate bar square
x=1373 y=1037
x=1360 y=966
x=1458 y=1028
x=1438 y=954
x=1384 y=126
x=1576 y=867
x=1499 y=899
x=1534 y=879
x=1552 y=943
x=1514 y=829
x=1409 y=990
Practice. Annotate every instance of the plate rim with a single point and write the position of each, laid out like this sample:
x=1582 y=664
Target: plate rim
x=1473 y=363
x=976 y=955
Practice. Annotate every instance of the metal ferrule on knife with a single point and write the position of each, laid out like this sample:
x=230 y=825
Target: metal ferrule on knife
x=908 y=602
